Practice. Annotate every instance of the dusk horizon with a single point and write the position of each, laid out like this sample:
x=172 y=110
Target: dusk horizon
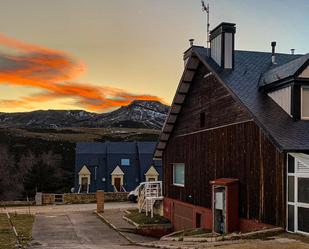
x=103 y=55
x=154 y=124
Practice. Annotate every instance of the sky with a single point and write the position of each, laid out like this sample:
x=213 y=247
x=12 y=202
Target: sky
x=98 y=55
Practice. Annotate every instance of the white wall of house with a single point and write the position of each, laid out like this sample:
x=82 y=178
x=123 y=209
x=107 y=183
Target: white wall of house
x=283 y=98
x=305 y=73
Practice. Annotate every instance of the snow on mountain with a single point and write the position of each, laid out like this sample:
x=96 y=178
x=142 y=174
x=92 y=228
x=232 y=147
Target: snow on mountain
x=138 y=114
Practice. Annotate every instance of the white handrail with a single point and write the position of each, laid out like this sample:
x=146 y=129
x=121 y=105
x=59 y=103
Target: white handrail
x=148 y=194
x=122 y=187
x=115 y=189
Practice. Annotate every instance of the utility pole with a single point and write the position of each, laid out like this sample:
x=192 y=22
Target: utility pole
x=205 y=8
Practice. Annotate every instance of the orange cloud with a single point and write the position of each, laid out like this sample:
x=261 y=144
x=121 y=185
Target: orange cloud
x=54 y=72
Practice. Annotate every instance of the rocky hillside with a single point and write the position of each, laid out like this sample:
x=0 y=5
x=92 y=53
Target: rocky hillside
x=138 y=114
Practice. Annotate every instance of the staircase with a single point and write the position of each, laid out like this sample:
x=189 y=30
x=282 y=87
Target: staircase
x=122 y=189
x=149 y=193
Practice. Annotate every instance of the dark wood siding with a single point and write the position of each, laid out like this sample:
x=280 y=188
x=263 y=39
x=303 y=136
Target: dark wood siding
x=209 y=96
x=231 y=145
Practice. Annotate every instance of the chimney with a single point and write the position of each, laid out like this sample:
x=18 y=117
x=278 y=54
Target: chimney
x=191 y=42
x=292 y=51
x=273 y=52
x=222 y=45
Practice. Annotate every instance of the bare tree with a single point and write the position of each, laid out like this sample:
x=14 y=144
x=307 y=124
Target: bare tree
x=9 y=185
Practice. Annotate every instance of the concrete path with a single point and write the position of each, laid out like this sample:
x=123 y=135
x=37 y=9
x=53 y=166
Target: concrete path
x=75 y=230
x=114 y=218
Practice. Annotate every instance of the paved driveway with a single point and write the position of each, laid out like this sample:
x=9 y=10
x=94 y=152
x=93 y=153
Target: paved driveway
x=75 y=230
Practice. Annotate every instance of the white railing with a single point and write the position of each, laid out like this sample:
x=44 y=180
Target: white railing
x=115 y=189
x=80 y=187
x=148 y=194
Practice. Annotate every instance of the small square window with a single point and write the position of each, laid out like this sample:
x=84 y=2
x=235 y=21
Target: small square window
x=125 y=162
x=179 y=174
x=202 y=119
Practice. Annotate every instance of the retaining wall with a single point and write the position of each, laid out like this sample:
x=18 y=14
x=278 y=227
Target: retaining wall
x=74 y=198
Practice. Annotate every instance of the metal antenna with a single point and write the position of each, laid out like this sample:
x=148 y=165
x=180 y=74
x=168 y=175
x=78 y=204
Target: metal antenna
x=205 y=8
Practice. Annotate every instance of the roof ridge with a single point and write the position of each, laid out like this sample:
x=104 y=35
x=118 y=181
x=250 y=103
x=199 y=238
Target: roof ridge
x=264 y=52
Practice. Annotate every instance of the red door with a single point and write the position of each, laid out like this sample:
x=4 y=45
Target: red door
x=84 y=186
x=118 y=183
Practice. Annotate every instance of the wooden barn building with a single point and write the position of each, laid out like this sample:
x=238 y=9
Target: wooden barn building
x=235 y=146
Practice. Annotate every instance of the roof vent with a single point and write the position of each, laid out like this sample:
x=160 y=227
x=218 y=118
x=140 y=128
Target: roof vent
x=273 y=52
x=222 y=43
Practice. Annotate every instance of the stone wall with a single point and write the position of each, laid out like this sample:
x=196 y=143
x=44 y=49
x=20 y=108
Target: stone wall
x=48 y=199
x=118 y=196
x=74 y=198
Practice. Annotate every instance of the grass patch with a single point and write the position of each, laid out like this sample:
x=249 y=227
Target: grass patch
x=142 y=219
x=23 y=224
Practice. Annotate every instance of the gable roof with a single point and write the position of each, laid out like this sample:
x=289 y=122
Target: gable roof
x=117 y=171
x=152 y=172
x=90 y=148
x=84 y=171
x=284 y=71
x=121 y=148
x=146 y=147
x=243 y=81
x=115 y=147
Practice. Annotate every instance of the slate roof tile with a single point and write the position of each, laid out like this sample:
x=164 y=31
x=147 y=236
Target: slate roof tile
x=244 y=81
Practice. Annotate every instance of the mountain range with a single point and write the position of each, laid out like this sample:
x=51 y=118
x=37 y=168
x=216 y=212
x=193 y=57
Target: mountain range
x=138 y=114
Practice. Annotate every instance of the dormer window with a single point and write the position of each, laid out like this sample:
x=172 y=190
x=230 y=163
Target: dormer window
x=305 y=103
x=288 y=86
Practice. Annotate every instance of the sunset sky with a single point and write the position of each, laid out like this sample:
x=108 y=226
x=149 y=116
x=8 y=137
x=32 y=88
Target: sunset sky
x=100 y=54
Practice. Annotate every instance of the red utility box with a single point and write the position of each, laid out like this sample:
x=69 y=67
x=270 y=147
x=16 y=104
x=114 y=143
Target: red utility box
x=225 y=205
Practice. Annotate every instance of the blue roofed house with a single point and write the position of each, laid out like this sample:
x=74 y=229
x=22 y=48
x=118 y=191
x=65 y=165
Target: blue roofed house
x=114 y=166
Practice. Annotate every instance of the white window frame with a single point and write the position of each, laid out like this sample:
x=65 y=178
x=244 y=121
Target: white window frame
x=301 y=103
x=295 y=204
x=184 y=177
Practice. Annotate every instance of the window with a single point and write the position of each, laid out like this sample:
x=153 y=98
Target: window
x=202 y=119
x=298 y=193
x=291 y=164
x=291 y=188
x=303 y=190
x=125 y=162
x=305 y=103
x=179 y=174
x=291 y=217
x=303 y=219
